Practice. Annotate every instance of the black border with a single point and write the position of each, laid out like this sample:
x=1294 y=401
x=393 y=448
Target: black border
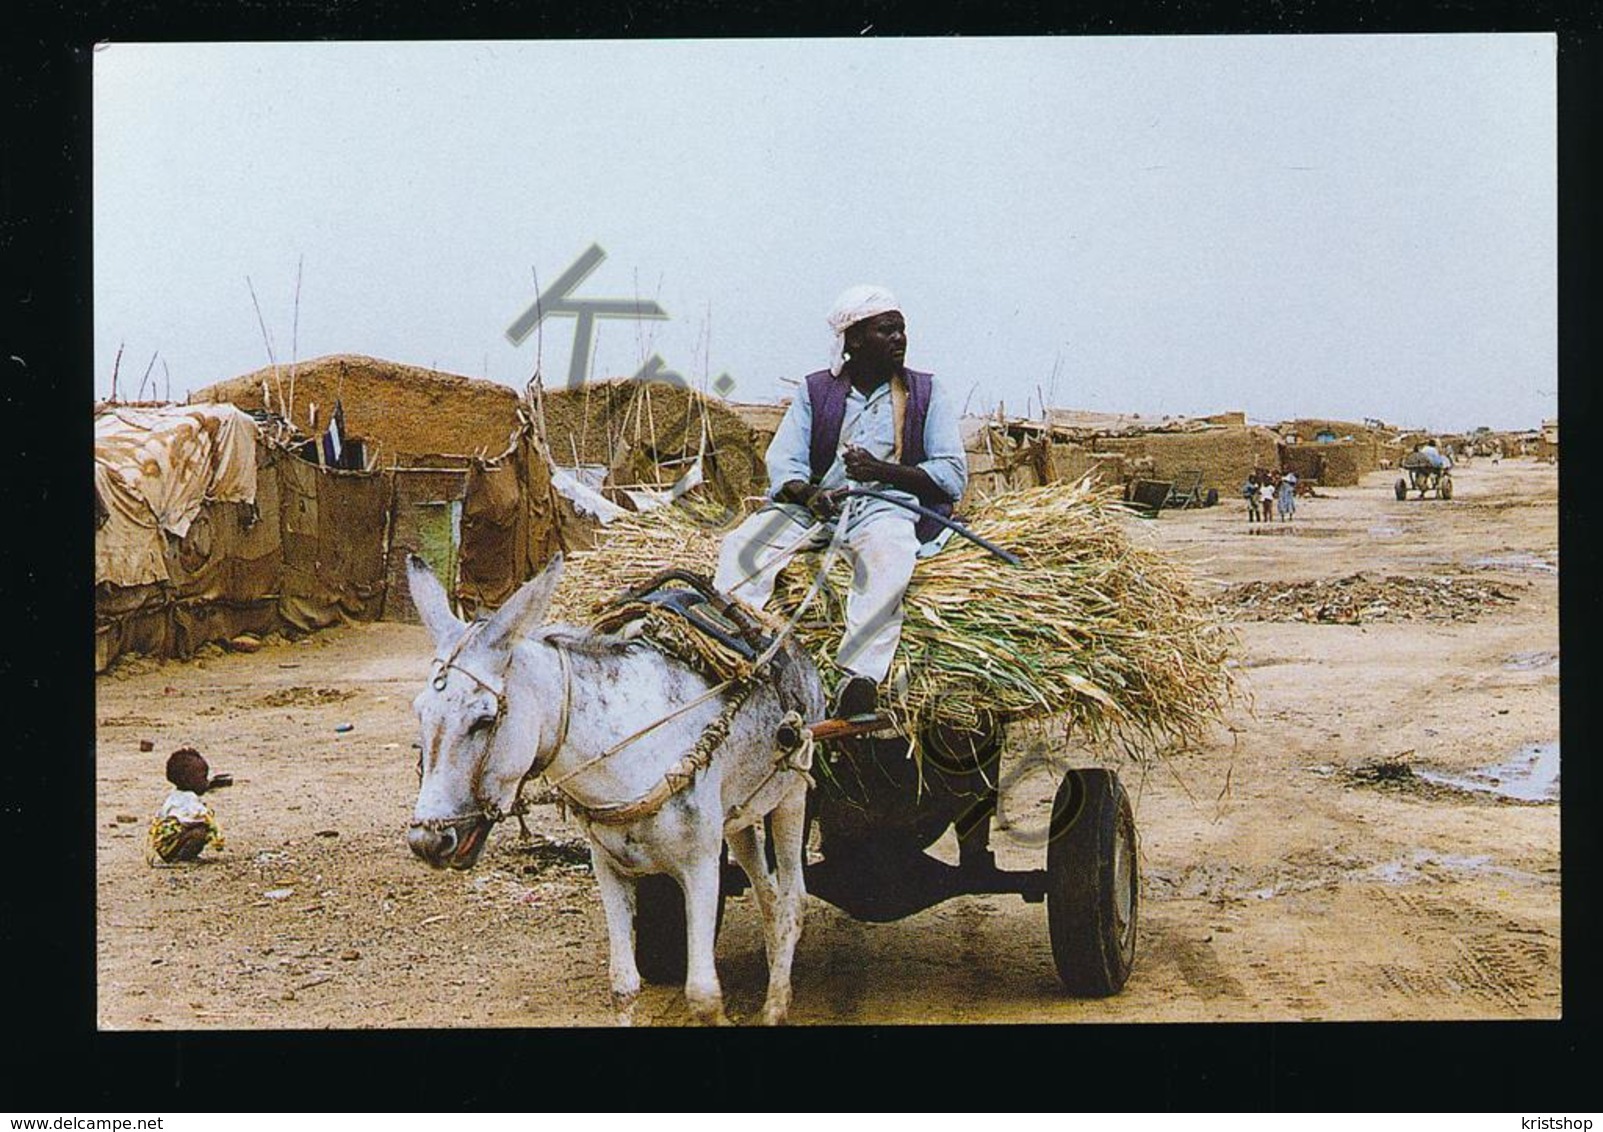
x=57 y=1058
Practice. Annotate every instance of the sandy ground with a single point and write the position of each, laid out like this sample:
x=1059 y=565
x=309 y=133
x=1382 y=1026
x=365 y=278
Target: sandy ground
x=1283 y=878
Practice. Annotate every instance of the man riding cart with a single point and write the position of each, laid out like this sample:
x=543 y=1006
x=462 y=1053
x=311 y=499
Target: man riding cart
x=1425 y=469
x=867 y=422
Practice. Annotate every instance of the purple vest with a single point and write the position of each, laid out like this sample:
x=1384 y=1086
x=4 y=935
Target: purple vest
x=827 y=393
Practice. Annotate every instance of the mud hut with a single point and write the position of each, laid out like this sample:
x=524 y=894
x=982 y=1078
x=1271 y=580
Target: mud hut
x=1545 y=447
x=1334 y=464
x=1224 y=454
x=1374 y=444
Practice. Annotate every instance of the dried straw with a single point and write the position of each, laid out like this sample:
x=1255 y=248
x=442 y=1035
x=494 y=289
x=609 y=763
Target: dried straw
x=1106 y=636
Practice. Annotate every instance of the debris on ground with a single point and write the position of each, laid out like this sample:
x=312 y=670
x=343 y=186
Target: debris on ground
x=307 y=697
x=1397 y=774
x=543 y=852
x=1392 y=768
x=1356 y=599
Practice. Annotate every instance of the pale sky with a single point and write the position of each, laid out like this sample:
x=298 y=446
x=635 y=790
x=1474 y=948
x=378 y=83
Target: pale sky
x=1341 y=226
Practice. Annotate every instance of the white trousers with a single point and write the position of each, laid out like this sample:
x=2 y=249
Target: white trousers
x=881 y=548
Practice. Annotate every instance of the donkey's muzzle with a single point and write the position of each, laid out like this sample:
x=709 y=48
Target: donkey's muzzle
x=432 y=845
x=448 y=845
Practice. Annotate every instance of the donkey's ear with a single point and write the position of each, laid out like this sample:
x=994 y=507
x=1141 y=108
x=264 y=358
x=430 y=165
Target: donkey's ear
x=527 y=608
x=432 y=604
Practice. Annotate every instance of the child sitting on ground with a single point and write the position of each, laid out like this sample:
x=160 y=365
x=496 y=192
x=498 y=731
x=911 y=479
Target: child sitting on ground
x=185 y=825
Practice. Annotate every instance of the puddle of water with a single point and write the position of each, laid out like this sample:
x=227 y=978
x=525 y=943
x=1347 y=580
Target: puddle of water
x=1406 y=870
x=1531 y=661
x=1424 y=866
x=1517 y=561
x=1531 y=775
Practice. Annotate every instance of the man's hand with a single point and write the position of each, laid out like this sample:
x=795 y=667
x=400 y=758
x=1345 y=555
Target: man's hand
x=864 y=468
x=822 y=504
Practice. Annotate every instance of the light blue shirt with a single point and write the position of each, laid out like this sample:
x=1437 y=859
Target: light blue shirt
x=868 y=424
x=1436 y=458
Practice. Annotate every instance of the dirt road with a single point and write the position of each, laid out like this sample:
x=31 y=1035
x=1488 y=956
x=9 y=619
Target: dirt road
x=1296 y=868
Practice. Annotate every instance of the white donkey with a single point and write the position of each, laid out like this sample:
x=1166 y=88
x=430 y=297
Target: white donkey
x=508 y=699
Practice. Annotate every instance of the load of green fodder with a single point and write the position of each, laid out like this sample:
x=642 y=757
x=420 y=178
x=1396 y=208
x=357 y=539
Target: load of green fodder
x=1109 y=637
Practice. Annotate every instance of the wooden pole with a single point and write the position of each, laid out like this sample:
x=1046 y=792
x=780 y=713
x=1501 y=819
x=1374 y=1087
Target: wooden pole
x=295 y=337
x=141 y=395
x=268 y=342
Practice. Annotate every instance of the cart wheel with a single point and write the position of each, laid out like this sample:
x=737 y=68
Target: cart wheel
x=660 y=947
x=1092 y=883
x=1212 y=498
x=1446 y=491
x=1402 y=490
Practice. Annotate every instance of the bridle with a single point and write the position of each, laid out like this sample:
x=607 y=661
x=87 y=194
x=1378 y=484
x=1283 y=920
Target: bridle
x=488 y=810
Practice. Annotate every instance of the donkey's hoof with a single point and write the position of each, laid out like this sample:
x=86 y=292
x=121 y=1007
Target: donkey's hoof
x=710 y=1014
x=623 y=1005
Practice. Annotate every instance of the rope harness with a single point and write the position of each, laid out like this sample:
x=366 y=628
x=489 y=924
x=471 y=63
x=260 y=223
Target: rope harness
x=683 y=772
x=677 y=777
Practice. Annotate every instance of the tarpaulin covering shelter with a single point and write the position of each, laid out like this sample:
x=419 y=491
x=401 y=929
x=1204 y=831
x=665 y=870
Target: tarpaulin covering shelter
x=512 y=523
x=154 y=468
x=211 y=531
x=207 y=529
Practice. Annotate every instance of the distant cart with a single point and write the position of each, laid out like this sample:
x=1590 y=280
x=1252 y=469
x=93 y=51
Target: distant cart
x=1186 y=491
x=1420 y=475
x=1151 y=496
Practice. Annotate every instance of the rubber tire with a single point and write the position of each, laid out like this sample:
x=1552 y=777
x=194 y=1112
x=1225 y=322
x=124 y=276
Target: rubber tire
x=1402 y=490
x=1093 y=944
x=660 y=945
x=1212 y=498
x=1446 y=489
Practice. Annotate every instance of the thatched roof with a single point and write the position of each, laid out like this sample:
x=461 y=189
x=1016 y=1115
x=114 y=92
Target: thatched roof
x=650 y=433
x=403 y=412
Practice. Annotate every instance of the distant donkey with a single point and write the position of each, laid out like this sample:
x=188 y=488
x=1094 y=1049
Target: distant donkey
x=508 y=699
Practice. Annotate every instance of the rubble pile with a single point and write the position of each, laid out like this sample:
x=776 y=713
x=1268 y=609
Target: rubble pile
x=1357 y=599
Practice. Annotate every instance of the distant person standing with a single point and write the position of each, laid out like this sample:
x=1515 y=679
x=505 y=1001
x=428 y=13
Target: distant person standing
x=1286 y=498
x=1266 y=495
x=1249 y=492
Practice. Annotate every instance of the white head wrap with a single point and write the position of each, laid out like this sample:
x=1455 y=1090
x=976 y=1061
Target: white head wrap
x=855 y=304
